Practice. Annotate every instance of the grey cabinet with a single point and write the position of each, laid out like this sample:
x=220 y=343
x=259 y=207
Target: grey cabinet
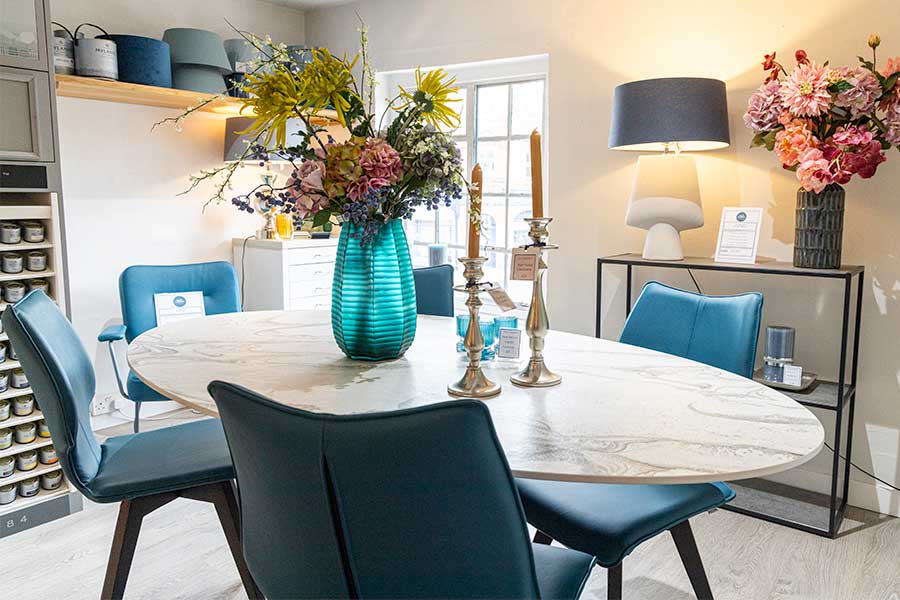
x=23 y=35
x=26 y=129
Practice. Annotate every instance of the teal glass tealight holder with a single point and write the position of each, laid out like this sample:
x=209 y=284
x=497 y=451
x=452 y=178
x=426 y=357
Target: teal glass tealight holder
x=488 y=332
x=504 y=322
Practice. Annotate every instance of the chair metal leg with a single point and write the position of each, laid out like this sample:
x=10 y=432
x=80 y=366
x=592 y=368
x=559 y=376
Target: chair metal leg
x=542 y=538
x=137 y=417
x=614 y=582
x=690 y=556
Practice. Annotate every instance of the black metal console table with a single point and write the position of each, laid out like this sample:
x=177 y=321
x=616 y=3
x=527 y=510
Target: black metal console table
x=787 y=505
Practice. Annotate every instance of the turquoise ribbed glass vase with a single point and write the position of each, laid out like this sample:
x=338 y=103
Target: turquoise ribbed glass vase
x=373 y=300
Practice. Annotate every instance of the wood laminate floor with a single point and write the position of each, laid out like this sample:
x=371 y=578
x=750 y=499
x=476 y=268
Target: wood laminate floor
x=182 y=554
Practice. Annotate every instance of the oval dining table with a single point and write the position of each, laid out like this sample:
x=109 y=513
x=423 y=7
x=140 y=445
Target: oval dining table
x=622 y=414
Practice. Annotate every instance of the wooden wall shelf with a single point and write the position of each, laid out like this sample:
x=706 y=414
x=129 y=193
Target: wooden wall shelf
x=89 y=88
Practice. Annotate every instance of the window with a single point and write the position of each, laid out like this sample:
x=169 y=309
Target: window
x=501 y=103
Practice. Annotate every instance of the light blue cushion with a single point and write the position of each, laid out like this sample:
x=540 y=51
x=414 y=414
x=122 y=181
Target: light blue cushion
x=434 y=290
x=138 y=391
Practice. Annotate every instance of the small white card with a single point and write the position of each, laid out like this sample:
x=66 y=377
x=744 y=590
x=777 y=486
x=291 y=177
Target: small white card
x=501 y=299
x=793 y=375
x=739 y=235
x=510 y=343
x=525 y=264
x=178 y=306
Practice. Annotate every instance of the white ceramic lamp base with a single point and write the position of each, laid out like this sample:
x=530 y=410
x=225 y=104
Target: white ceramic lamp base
x=663 y=243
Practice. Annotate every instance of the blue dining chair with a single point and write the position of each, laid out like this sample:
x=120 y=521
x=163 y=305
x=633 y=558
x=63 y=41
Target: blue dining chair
x=137 y=285
x=434 y=290
x=609 y=521
x=142 y=471
x=418 y=503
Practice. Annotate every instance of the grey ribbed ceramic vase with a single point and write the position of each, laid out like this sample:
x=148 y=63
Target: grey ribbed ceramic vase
x=819 y=228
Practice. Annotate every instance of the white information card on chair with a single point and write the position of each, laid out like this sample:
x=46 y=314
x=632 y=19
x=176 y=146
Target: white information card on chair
x=178 y=306
x=739 y=235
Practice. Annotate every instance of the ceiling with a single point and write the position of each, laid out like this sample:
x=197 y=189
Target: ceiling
x=305 y=4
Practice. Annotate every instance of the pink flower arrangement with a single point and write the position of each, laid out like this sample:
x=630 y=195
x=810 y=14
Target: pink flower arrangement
x=827 y=125
x=305 y=187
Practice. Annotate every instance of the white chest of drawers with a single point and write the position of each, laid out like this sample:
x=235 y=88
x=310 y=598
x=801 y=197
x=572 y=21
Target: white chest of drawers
x=285 y=275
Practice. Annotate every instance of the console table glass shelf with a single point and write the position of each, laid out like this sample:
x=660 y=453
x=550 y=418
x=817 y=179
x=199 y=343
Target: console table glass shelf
x=774 y=501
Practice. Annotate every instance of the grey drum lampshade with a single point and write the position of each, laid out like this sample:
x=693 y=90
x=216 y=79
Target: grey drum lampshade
x=653 y=114
x=197 y=47
x=236 y=143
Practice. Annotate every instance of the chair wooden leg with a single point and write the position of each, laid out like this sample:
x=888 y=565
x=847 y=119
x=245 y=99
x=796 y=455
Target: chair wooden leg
x=690 y=556
x=614 y=582
x=542 y=538
x=227 y=509
x=122 y=551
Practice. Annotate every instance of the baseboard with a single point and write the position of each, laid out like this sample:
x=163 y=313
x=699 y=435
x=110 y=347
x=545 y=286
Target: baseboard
x=869 y=495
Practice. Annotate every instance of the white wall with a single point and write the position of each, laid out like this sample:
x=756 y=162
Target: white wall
x=594 y=46
x=121 y=181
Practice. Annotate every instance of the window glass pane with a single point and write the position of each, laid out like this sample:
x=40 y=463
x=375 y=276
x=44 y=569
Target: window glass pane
x=528 y=107
x=519 y=210
x=421 y=227
x=419 y=255
x=454 y=227
x=493 y=221
x=494 y=269
x=464 y=154
x=493 y=106
x=459 y=107
x=520 y=167
x=492 y=158
x=520 y=291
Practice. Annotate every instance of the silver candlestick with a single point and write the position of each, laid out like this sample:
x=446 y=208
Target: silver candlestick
x=474 y=383
x=536 y=373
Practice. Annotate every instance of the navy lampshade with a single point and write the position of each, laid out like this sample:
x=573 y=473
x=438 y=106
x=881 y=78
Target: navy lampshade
x=654 y=114
x=143 y=60
x=236 y=143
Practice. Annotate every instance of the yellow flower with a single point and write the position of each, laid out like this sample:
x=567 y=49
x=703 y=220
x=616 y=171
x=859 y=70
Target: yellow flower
x=274 y=97
x=325 y=82
x=432 y=97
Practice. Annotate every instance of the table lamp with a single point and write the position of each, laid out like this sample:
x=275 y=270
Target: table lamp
x=668 y=115
x=236 y=142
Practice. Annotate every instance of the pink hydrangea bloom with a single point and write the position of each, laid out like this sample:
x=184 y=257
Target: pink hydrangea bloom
x=305 y=187
x=891 y=100
x=861 y=98
x=892 y=121
x=793 y=141
x=764 y=108
x=805 y=91
x=854 y=135
x=379 y=160
x=813 y=171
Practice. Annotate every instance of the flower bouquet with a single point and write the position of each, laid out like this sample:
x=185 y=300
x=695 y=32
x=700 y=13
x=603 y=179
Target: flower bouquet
x=826 y=124
x=385 y=170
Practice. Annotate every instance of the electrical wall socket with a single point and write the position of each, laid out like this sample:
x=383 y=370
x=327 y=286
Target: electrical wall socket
x=101 y=406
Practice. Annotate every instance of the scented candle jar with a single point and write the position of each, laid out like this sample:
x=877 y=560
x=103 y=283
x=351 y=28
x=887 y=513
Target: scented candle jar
x=19 y=381
x=29 y=487
x=23 y=405
x=51 y=481
x=42 y=429
x=33 y=232
x=4 y=381
x=7 y=466
x=13 y=291
x=36 y=260
x=26 y=433
x=6 y=438
x=11 y=262
x=10 y=233
x=27 y=461
x=39 y=284
x=47 y=455
x=2 y=352
x=7 y=494
x=4 y=410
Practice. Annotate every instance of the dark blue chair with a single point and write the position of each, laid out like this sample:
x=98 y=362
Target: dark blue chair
x=434 y=290
x=609 y=521
x=416 y=503
x=137 y=285
x=143 y=471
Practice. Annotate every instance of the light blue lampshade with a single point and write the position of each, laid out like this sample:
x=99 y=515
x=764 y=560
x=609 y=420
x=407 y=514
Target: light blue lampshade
x=198 y=78
x=236 y=143
x=240 y=54
x=197 y=47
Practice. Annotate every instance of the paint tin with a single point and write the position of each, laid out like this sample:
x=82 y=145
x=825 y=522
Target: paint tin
x=33 y=232
x=26 y=433
x=11 y=262
x=2 y=360
x=26 y=461
x=43 y=429
x=7 y=466
x=4 y=410
x=13 y=291
x=23 y=405
x=29 y=487
x=36 y=261
x=63 y=52
x=51 y=481
x=95 y=57
x=19 y=381
x=10 y=233
x=4 y=382
x=6 y=438
x=7 y=494
x=39 y=284
x=47 y=455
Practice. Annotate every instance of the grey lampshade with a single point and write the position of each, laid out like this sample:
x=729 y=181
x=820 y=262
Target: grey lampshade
x=197 y=47
x=650 y=114
x=241 y=54
x=236 y=143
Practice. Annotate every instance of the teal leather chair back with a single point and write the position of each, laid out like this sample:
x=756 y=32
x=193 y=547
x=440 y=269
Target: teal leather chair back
x=716 y=330
x=137 y=285
x=59 y=371
x=415 y=503
x=434 y=290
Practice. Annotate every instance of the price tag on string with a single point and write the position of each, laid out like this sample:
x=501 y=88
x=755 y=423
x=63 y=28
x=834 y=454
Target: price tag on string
x=510 y=343
x=525 y=264
x=501 y=299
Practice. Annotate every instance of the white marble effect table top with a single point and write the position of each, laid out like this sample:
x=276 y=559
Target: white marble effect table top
x=622 y=414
